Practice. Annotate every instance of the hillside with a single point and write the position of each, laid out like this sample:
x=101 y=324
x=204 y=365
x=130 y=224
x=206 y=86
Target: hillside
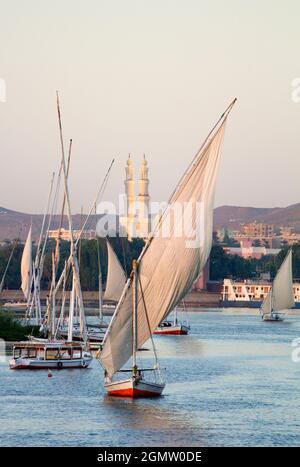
x=233 y=216
x=11 y=222
x=230 y=217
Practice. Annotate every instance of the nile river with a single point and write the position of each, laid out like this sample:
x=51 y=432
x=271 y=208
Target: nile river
x=231 y=382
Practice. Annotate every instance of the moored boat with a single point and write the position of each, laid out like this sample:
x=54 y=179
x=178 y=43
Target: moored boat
x=167 y=327
x=173 y=328
x=47 y=355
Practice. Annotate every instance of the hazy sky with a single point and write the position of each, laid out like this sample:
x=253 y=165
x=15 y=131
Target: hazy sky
x=149 y=76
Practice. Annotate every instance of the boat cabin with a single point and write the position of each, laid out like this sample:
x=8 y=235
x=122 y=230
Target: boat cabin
x=48 y=351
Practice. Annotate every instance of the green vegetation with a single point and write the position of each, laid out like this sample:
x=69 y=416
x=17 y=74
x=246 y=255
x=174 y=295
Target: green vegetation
x=88 y=254
x=222 y=265
x=12 y=330
x=232 y=266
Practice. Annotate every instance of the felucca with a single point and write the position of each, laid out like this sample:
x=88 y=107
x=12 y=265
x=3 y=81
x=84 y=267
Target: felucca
x=26 y=274
x=173 y=327
x=163 y=274
x=281 y=296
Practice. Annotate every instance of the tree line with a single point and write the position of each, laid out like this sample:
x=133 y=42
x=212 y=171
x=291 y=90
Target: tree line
x=88 y=253
x=222 y=265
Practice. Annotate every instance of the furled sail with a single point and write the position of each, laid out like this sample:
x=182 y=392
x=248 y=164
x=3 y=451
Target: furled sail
x=281 y=295
x=26 y=266
x=173 y=257
x=116 y=278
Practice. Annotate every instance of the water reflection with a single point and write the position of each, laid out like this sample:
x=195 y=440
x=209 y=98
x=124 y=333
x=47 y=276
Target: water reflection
x=165 y=425
x=230 y=382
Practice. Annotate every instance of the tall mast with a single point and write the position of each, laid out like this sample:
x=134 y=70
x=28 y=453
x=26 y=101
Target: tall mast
x=99 y=195
x=53 y=312
x=134 y=315
x=73 y=256
x=71 y=312
x=34 y=299
x=175 y=316
x=100 y=292
x=57 y=252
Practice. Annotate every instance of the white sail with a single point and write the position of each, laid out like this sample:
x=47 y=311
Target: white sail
x=168 y=266
x=281 y=295
x=116 y=278
x=26 y=266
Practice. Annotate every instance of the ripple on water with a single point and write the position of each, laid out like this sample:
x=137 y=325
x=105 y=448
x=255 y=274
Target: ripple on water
x=230 y=382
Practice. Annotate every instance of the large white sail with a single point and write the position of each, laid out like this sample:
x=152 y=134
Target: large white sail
x=169 y=265
x=116 y=278
x=26 y=266
x=281 y=295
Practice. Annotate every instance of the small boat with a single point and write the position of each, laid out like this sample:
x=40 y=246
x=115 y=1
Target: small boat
x=47 y=355
x=137 y=385
x=167 y=327
x=273 y=317
x=281 y=295
x=174 y=327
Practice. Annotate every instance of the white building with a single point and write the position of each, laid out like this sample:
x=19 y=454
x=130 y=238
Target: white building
x=65 y=234
x=247 y=291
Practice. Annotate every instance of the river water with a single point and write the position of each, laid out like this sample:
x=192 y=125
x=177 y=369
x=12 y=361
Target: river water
x=230 y=382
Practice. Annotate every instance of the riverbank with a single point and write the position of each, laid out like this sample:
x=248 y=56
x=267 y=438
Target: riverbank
x=11 y=329
x=194 y=299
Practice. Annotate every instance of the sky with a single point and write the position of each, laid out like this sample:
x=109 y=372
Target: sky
x=141 y=76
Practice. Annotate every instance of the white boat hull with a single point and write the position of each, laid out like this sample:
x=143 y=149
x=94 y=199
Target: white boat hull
x=134 y=388
x=40 y=364
x=15 y=305
x=273 y=317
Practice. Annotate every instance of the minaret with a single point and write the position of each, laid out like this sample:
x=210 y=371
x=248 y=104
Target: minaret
x=143 y=225
x=130 y=198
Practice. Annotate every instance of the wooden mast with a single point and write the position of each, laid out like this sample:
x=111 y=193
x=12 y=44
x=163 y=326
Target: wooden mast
x=134 y=314
x=73 y=257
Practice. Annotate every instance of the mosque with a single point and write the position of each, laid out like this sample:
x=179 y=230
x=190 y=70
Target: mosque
x=137 y=220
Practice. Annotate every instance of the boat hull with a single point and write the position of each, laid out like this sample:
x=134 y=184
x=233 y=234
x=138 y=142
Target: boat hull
x=172 y=330
x=36 y=364
x=273 y=318
x=133 y=388
x=16 y=306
